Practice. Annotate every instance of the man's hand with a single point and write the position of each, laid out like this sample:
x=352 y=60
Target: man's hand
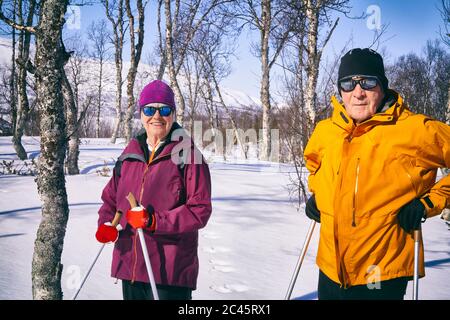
x=411 y=214
x=107 y=233
x=140 y=217
x=311 y=209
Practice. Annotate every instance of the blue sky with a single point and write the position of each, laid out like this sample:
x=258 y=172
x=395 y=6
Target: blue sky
x=411 y=24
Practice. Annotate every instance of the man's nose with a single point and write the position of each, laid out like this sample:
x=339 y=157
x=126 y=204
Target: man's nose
x=359 y=92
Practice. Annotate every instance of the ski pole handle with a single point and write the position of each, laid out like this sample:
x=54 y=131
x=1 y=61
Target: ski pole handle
x=117 y=218
x=132 y=200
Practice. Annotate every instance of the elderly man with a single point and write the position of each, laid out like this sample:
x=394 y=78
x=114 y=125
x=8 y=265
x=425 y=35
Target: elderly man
x=373 y=181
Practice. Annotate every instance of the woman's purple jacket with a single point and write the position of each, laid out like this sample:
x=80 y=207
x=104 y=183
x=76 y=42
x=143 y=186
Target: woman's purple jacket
x=182 y=207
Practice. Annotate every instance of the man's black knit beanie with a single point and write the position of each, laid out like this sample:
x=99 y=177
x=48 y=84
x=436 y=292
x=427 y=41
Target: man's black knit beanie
x=365 y=62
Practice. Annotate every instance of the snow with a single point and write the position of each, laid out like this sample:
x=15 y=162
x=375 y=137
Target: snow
x=247 y=251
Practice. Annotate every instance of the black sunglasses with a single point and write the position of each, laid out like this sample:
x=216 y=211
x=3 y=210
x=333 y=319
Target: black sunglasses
x=366 y=83
x=164 y=111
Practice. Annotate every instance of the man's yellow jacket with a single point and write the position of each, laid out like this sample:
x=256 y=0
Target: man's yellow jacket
x=361 y=175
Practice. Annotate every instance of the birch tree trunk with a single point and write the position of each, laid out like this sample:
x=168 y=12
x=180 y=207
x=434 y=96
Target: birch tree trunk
x=118 y=31
x=162 y=48
x=213 y=118
x=448 y=106
x=46 y=265
x=312 y=69
x=72 y=127
x=16 y=139
x=23 y=106
x=265 y=78
x=181 y=105
x=136 y=50
x=99 y=98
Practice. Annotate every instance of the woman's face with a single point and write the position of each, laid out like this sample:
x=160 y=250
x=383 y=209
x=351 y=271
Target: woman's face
x=157 y=126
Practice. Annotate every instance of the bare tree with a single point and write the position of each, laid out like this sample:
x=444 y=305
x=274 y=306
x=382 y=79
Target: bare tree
x=98 y=34
x=22 y=61
x=265 y=17
x=47 y=268
x=161 y=47
x=12 y=87
x=115 y=14
x=5 y=100
x=214 y=52
x=301 y=63
x=445 y=14
x=181 y=28
x=445 y=36
x=135 y=56
x=73 y=78
x=192 y=70
x=10 y=12
x=314 y=8
x=423 y=81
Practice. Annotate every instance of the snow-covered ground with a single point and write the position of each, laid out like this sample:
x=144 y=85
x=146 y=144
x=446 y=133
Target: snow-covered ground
x=248 y=250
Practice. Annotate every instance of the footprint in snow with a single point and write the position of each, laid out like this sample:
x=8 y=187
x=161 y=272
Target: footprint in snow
x=229 y=288
x=219 y=262
x=210 y=235
x=221 y=265
x=224 y=269
x=216 y=249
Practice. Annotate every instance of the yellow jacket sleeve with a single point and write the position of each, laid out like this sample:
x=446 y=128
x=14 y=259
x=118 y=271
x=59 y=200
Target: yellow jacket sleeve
x=438 y=151
x=313 y=156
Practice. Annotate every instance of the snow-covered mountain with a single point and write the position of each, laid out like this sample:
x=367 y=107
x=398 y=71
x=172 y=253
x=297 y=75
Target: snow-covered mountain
x=233 y=98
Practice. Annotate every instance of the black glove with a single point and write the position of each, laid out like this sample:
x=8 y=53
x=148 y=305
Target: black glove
x=151 y=215
x=311 y=209
x=411 y=214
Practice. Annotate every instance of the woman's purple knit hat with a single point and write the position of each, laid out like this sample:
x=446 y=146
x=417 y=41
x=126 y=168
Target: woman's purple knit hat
x=157 y=91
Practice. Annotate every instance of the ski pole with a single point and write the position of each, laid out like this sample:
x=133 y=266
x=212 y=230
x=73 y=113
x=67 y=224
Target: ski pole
x=114 y=223
x=133 y=204
x=300 y=260
x=417 y=236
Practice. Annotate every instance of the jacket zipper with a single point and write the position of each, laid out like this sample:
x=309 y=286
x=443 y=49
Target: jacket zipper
x=355 y=194
x=140 y=203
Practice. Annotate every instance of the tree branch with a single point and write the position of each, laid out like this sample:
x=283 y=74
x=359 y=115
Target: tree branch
x=13 y=24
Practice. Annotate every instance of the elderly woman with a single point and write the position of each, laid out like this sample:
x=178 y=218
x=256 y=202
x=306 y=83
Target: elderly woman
x=177 y=198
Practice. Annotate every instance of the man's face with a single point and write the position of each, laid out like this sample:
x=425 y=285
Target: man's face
x=361 y=104
x=157 y=126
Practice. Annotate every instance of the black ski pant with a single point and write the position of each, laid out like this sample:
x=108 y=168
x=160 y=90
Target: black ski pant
x=394 y=289
x=143 y=291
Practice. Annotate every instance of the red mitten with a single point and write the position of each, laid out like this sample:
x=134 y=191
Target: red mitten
x=107 y=233
x=140 y=217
